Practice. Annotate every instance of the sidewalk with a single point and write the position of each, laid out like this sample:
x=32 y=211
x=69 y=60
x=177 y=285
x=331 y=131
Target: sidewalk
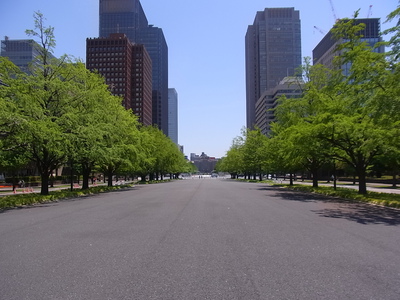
x=372 y=187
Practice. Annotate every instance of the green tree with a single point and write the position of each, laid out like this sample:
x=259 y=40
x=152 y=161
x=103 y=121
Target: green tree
x=89 y=120
x=352 y=124
x=121 y=145
x=233 y=161
x=296 y=130
x=254 y=153
x=38 y=102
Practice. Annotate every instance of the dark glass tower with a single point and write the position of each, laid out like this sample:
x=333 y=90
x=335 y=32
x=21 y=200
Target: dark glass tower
x=128 y=17
x=121 y=16
x=273 y=52
x=154 y=41
x=325 y=51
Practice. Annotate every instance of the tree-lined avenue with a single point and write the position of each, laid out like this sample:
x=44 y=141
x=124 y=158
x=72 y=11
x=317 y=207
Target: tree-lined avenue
x=200 y=239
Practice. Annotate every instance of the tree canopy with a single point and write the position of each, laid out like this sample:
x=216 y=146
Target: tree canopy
x=60 y=113
x=347 y=115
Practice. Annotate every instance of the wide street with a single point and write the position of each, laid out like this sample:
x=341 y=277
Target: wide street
x=200 y=239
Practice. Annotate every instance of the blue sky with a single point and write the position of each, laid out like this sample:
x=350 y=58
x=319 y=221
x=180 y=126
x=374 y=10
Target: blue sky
x=206 y=50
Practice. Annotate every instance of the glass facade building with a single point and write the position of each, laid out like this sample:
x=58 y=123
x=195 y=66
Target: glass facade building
x=273 y=52
x=173 y=115
x=290 y=87
x=23 y=53
x=325 y=51
x=128 y=17
x=121 y=16
x=153 y=39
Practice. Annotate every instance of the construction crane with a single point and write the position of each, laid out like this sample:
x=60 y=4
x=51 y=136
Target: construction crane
x=333 y=11
x=320 y=30
x=369 y=11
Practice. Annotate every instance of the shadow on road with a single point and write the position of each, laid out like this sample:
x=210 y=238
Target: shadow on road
x=362 y=213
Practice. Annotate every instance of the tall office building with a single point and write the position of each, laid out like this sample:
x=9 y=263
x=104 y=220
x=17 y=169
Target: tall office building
x=173 y=115
x=23 y=53
x=153 y=39
x=126 y=68
x=121 y=16
x=273 y=52
x=128 y=17
x=290 y=87
x=325 y=51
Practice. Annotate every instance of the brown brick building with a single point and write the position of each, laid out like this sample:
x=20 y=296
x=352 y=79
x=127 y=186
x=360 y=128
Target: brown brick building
x=127 y=69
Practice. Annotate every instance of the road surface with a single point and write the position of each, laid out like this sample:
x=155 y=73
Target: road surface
x=200 y=239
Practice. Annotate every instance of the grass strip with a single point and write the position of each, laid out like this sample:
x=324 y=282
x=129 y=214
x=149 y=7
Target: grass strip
x=21 y=200
x=383 y=199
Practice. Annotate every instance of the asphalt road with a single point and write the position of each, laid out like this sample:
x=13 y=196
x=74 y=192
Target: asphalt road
x=200 y=239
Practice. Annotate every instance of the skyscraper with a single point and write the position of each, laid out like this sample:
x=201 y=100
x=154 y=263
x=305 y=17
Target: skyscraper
x=126 y=68
x=273 y=52
x=128 y=17
x=121 y=16
x=153 y=39
x=173 y=115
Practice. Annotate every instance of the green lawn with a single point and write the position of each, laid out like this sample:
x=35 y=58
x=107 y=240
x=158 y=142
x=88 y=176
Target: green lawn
x=384 y=199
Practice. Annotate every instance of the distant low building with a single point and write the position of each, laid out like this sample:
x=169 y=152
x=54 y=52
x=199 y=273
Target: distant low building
x=22 y=53
x=203 y=162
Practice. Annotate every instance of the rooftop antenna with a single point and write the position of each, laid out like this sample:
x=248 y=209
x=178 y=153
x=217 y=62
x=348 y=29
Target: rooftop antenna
x=369 y=11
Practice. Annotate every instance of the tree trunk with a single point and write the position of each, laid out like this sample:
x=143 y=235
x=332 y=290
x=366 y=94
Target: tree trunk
x=86 y=170
x=362 y=182
x=110 y=177
x=71 y=175
x=142 y=177
x=394 y=184
x=314 y=178
x=45 y=183
x=291 y=178
x=334 y=176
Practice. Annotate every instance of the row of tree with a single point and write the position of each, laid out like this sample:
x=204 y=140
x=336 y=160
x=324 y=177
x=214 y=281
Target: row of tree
x=340 y=120
x=62 y=113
